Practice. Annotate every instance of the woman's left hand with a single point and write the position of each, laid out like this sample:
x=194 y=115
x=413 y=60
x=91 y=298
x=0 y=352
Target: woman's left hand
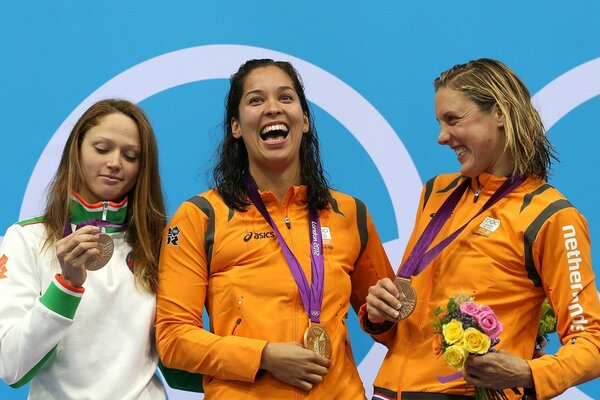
x=497 y=370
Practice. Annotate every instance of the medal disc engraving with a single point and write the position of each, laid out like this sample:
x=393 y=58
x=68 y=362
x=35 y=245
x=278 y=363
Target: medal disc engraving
x=317 y=340
x=407 y=298
x=106 y=247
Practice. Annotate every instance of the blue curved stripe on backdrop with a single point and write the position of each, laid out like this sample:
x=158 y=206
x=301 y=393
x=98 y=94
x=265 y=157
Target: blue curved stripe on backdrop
x=368 y=69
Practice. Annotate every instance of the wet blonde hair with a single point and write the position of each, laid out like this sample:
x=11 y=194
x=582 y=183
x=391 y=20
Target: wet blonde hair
x=490 y=83
x=146 y=216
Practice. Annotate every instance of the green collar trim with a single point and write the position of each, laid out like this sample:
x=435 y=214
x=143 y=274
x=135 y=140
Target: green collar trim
x=108 y=211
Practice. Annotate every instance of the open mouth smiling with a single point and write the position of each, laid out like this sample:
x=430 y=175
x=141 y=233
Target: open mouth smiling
x=274 y=133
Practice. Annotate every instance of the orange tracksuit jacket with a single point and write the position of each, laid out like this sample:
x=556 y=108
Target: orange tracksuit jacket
x=529 y=245
x=231 y=263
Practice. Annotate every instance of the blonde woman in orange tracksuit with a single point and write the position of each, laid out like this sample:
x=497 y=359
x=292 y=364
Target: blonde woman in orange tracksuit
x=530 y=245
x=274 y=255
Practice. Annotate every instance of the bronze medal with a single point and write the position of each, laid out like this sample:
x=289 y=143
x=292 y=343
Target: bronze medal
x=106 y=247
x=317 y=340
x=407 y=297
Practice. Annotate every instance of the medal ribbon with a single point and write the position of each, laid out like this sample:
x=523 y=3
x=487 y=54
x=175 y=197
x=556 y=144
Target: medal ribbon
x=96 y=222
x=418 y=258
x=312 y=295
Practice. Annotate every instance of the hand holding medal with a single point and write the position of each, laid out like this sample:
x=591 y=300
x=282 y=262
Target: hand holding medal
x=379 y=304
x=75 y=251
x=86 y=249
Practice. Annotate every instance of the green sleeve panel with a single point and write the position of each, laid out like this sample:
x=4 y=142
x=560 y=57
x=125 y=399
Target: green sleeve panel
x=33 y=372
x=182 y=380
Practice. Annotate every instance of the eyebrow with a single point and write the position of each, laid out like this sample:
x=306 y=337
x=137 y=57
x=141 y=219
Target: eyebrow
x=454 y=114
x=279 y=89
x=127 y=146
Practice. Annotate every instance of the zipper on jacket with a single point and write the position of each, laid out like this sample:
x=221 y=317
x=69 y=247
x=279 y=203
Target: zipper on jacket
x=287 y=222
x=109 y=275
x=104 y=210
x=477 y=192
x=238 y=322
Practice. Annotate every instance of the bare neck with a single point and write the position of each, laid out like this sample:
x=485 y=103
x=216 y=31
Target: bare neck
x=277 y=182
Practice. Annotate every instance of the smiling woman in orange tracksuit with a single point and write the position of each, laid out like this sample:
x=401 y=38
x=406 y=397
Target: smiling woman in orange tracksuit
x=219 y=252
x=511 y=268
x=530 y=245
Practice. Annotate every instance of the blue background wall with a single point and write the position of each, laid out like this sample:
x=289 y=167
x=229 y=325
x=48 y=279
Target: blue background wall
x=368 y=68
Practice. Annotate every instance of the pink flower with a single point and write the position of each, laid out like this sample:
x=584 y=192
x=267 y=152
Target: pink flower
x=485 y=307
x=469 y=308
x=489 y=323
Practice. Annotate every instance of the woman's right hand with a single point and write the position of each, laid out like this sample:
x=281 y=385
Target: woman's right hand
x=75 y=251
x=291 y=363
x=382 y=302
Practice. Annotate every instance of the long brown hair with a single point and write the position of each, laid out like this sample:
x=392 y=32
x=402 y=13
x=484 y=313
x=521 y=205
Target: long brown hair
x=488 y=83
x=146 y=216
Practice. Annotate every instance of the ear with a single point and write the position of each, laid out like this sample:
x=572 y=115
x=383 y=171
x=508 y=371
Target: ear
x=236 y=129
x=305 y=123
x=501 y=115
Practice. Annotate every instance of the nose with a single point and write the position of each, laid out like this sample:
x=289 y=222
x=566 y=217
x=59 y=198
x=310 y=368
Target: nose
x=272 y=107
x=443 y=136
x=113 y=160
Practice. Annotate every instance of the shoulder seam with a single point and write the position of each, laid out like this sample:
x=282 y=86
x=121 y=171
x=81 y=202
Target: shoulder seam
x=31 y=221
x=531 y=233
x=209 y=235
x=428 y=190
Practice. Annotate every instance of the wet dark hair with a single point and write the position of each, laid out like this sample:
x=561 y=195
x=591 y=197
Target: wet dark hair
x=232 y=168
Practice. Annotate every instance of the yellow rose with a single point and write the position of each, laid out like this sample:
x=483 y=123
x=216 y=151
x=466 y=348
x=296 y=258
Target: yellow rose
x=456 y=356
x=453 y=332
x=475 y=341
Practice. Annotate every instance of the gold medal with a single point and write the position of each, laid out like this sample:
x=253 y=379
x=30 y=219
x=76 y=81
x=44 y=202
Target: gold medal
x=407 y=297
x=317 y=340
x=106 y=247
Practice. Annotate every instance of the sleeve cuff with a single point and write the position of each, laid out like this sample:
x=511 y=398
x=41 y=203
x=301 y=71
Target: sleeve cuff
x=67 y=286
x=370 y=327
x=62 y=298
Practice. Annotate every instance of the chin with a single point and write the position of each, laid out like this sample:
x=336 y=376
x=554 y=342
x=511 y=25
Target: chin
x=111 y=197
x=468 y=173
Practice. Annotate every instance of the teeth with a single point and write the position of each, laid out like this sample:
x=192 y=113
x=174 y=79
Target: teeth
x=460 y=151
x=277 y=127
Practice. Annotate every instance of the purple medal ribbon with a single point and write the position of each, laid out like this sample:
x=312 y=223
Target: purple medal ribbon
x=96 y=222
x=312 y=296
x=419 y=258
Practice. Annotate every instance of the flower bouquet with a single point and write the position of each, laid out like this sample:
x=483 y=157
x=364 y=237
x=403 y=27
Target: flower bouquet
x=461 y=328
x=546 y=327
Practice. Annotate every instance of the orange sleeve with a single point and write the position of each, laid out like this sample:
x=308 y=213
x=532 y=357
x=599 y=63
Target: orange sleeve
x=563 y=260
x=384 y=333
x=372 y=265
x=181 y=340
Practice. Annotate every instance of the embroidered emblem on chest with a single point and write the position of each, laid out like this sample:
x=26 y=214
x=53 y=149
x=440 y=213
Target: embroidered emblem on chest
x=488 y=226
x=129 y=261
x=326 y=235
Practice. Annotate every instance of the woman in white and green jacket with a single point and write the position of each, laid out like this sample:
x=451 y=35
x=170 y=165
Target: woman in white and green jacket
x=74 y=327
